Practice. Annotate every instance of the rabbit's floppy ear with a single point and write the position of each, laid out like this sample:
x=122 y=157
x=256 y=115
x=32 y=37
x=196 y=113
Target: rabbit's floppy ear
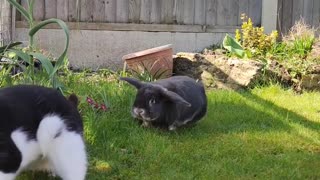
x=135 y=82
x=174 y=97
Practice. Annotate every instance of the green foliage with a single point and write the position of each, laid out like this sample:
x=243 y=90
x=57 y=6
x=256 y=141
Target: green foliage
x=30 y=56
x=233 y=46
x=292 y=53
x=300 y=39
x=294 y=50
x=3 y=49
x=5 y=77
x=145 y=72
x=254 y=39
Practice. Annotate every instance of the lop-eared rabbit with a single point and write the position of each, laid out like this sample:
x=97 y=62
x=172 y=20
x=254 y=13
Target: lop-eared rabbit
x=174 y=101
x=40 y=130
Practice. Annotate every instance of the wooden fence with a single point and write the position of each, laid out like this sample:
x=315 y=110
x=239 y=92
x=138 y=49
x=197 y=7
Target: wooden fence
x=170 y=15
x=176 y=12
x=291 y=11
x=5 y=23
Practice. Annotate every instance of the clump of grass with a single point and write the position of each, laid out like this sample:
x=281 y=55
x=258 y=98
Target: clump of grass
x=147 y=71
x=300 y=38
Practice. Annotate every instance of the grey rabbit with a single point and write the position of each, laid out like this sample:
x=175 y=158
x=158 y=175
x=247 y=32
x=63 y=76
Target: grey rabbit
x=174 y=102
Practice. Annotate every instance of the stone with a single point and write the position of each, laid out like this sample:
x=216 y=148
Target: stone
x=217 y=71
x=310 y=82
x=315 y=52
x=207 y=79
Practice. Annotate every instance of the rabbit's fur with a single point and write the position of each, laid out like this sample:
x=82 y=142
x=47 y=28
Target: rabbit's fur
x=40 y=130
x=173 y=102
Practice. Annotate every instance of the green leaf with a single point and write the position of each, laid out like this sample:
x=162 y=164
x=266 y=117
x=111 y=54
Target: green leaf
x=248 y=54
x=31 y=5
x=65 y=28
x=12 y=55
x=233 y=46
x=45 y=62
x=56 y=84
x=22 y=10
x=4 y=48
x=24 y=56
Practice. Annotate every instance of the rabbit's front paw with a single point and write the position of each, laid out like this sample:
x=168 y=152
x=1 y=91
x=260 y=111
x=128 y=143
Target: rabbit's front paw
x=172 y=127
x=146 y=124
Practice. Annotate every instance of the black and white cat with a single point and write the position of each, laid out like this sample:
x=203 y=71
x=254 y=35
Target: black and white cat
x=40 y=130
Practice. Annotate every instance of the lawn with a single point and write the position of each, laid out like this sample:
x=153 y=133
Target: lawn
x=263 y=133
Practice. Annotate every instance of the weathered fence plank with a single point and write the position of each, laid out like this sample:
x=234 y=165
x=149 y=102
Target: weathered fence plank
x=243 y=9
x=307 y=11
x=178 y=11
x=234 y=13
x=110 y=12
x=50 y=9
x=297 y=10
x=227 y=12
x=134 y=11
x=18 y=15
x=280 y=12
x=73 y=10
x=86 y=9
x=24 y=4
x=122 y=11
x=38 y=10
x=222 y=11
x=255 y=9
x=211 y=12
x=167 y=11
x=316 y=14
x=62 y=9
x=98 y=11
x=145 y=12
x=138 y=27
x=1 y=26
x=188 y=12
x=5 y=20
x=155 y=14
x=200 y=12
x=287 y=15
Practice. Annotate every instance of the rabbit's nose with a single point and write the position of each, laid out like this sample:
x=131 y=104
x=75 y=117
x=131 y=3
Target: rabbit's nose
x=139 y=111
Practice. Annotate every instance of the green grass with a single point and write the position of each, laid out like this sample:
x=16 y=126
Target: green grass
x=265 y=133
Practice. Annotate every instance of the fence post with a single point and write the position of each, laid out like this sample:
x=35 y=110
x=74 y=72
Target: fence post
x=1 y=24
x=5 y=22
x=269 y=15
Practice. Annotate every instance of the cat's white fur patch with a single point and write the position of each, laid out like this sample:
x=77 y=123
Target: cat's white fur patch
x=6 y=176
x=56 y=148
x=30 y=149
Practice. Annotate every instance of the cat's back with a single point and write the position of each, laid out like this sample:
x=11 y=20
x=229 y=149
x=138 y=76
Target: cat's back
x=24 y=106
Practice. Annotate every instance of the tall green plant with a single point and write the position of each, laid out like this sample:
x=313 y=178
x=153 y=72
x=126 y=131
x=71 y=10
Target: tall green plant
x=34 y=27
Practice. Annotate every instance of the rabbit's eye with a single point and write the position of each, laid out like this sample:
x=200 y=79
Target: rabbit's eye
x=152 y=101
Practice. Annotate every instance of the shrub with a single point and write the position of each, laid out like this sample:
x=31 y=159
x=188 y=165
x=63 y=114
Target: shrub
x=253 y=38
